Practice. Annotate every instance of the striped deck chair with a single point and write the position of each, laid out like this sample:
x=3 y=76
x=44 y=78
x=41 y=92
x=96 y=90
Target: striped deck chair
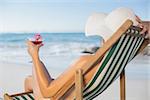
x=111 y=59
x=112 y=65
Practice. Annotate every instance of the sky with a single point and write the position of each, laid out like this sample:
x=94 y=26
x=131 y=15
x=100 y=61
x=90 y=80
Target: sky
x=59 y=15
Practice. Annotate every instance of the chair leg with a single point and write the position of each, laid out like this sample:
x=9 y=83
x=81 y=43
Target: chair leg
x=79 y=84
x=122 y=86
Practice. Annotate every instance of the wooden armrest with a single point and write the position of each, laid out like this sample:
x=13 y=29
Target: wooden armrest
x=9 y=97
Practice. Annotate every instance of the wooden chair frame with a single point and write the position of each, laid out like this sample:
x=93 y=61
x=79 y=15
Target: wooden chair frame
x=79 y=85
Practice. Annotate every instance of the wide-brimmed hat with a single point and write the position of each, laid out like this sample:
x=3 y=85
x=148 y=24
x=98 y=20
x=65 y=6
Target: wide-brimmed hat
x=105 y=25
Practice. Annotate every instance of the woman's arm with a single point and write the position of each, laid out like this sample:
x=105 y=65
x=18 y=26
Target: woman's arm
x=41 y=72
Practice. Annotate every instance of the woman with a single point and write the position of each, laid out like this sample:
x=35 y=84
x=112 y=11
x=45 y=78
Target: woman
x=42 y=83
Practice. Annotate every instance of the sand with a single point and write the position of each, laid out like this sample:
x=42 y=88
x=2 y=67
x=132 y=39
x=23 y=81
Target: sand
x=12 y=77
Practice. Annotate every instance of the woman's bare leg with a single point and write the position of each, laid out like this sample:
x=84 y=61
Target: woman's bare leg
x=28 y=84
x=31 y=84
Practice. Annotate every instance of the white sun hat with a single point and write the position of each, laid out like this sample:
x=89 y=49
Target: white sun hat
x=96 y=25
x=117 y=17
x=105 y=25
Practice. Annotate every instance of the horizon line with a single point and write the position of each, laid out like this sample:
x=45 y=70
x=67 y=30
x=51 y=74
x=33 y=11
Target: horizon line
x=37 y=32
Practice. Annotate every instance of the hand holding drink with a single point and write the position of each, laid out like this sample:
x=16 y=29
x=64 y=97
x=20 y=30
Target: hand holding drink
x=34 y=44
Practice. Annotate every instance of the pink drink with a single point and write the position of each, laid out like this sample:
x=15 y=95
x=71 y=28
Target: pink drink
x=37 y=39
x=37 y=42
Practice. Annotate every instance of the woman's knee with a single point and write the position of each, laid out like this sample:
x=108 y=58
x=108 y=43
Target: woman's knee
x=28 y=83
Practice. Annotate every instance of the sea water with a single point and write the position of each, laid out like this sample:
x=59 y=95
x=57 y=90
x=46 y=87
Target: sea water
x=62 y=46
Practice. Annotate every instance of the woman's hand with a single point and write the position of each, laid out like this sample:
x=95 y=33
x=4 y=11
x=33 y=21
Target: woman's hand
x=33 y=49
x=146 y=28
x=145 y=25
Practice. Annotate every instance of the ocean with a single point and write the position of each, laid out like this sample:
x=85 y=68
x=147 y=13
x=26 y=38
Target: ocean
x=13 y=45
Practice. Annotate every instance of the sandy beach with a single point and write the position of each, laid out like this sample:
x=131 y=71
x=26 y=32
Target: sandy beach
x=137 y=75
